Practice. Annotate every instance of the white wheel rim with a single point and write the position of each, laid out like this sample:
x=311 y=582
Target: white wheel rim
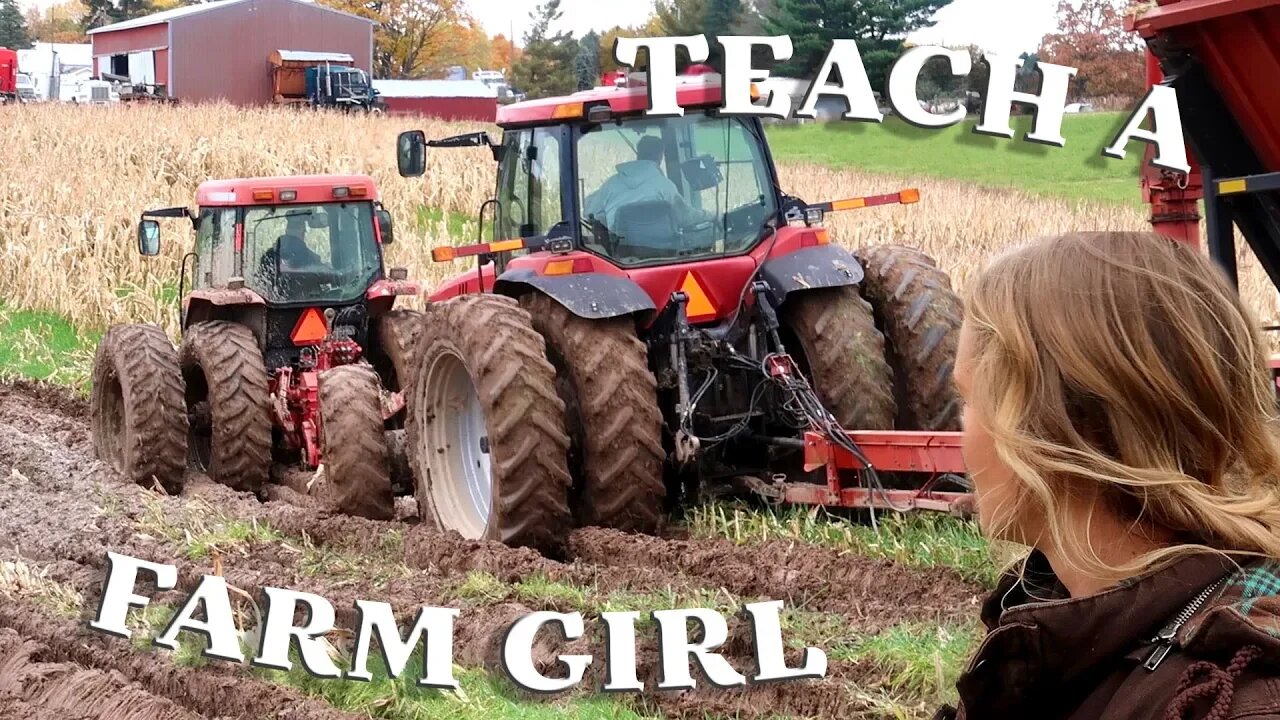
x=461 y=474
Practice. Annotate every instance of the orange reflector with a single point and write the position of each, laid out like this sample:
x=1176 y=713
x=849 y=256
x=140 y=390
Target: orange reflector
x=908 y=196
x=822 y=236
x=505 y=245
x=755 y=91
x=558 y=267
x=567 y=110
x=261 y=195
x=311 y=328
x=850 y=204
x=699 y=305
x=359 y=191
x=442 y=254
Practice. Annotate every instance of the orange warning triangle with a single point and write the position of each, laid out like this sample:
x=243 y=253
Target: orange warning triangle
x=311 y=328
x=699 y=304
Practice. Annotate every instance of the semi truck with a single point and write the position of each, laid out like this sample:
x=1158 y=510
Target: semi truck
x=322 y=80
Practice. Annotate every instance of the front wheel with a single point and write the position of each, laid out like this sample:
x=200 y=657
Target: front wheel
x=486 y=429
x=353 y=444
x=843 y=354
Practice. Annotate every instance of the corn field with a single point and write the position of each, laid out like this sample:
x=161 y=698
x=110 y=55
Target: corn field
x=76 y=179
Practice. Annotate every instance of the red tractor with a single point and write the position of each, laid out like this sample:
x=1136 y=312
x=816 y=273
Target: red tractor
x=656 y=319
x=292 y=349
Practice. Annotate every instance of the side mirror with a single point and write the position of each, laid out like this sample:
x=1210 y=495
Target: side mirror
x=411 y=149
x=384 y=226
x=149 y=238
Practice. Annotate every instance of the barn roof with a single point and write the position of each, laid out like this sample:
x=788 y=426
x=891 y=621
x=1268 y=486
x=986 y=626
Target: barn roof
x=187 y=11
x=308 y=56
x=434 y=88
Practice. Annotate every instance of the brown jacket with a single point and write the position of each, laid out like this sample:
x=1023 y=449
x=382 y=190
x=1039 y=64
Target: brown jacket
x=1047 y=656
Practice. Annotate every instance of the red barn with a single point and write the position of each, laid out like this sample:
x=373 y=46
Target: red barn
x=219 y=50
x=443 y=99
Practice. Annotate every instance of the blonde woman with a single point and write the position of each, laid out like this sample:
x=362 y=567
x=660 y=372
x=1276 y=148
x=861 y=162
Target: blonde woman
x=1119 y=420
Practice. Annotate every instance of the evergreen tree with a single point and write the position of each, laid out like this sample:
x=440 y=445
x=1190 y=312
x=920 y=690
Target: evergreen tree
x=879 y=27
x=546 y=67
x=105 y=12
x=719 y=17
x=13 y=26
x=587 y=64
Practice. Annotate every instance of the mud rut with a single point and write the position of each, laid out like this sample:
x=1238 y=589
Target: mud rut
x=61 y=510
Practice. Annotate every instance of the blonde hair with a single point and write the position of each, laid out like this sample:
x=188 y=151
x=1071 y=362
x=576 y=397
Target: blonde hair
x=1121 y=370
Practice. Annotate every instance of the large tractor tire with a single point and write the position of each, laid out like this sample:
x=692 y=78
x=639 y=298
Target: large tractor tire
x=844 y=355
x=486 y=431
x=611 y=411
x=352 y=443
x=920 y=317
x=394 y=342
x=395 y=338
x=228 y=403
x=137 y=413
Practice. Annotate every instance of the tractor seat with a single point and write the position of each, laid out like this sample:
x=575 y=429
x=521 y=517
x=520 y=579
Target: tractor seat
x=646 y=229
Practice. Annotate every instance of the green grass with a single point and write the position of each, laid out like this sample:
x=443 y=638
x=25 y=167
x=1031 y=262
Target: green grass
x=919 y=660
x=913 y=539
x=459 y=225
x=43 y=346
x=203 y=530
x=480 y=696
x=1077 y=171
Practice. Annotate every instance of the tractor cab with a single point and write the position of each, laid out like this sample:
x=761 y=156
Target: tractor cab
x=281 y=253
x=633 y=190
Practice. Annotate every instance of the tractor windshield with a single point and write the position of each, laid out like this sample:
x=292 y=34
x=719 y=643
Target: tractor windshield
x=311 y=253
x=673 y=189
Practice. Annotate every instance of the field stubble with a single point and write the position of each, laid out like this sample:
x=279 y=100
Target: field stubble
x=77 y=178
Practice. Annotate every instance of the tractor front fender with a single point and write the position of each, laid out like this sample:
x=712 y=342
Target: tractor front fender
x=822 y=266
x=594 y=296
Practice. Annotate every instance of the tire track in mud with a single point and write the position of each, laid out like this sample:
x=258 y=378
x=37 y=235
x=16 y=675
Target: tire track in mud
x=168 y=690
x=59 y=505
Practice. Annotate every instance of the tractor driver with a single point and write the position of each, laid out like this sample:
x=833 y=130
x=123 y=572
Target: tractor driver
x=641 y=181
x=290 y=252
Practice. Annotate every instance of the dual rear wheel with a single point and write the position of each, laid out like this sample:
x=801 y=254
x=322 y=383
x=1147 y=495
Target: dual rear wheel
x=528 y=420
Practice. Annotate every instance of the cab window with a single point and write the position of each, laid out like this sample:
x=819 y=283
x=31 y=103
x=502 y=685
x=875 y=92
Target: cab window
x=215 y=247
x=529 y=190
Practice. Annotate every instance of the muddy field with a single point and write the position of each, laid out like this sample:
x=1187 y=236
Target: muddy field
x=61 y=511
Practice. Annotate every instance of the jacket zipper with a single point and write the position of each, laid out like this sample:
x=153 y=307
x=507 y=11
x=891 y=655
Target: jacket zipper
x=1167 y=637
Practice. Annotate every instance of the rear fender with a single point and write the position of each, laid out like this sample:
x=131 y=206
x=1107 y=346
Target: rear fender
x=242 y=306
x=594 y=296
x=823 y=266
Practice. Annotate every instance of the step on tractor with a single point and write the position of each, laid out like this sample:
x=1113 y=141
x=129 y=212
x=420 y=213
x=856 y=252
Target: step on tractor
x=655 y=321
x=292 y=351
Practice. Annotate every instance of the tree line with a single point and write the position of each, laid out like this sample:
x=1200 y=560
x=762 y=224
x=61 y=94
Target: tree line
x=424 y=38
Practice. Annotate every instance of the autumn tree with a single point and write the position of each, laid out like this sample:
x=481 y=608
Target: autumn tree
x=607 y=40
x=879 y=27
x=13 y=26
x=60 y=23
x=1091 y=38
x=411 y=34
x=462 y=43
x=586 y=65
x=505 y=53
x=547 y=66
x=106 y=12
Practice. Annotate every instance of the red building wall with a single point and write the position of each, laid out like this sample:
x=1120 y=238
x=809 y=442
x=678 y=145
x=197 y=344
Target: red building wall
x=221 y=53
x=445 y=108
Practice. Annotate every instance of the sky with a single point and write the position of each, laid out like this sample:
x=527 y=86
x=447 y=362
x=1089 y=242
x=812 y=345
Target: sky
x=995 y=25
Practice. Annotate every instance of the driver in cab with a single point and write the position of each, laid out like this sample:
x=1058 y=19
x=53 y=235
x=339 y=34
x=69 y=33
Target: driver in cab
x=641 y=181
